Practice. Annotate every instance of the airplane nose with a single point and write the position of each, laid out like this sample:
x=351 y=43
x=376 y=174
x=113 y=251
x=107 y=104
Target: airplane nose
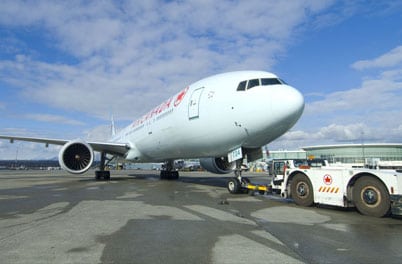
x=294 y=102
x=288 y=104
x=278 y=108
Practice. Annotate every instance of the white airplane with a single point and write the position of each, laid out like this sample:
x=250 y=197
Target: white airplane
x=219 y=119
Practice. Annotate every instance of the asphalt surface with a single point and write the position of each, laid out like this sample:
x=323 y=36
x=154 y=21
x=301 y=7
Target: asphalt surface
x=55 y=217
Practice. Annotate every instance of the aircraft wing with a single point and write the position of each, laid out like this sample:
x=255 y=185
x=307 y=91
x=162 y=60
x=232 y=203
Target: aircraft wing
x=108 y=147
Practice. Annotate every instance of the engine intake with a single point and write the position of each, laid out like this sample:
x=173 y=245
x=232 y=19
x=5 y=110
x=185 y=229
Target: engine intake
x=219 y=165
x=76 y=156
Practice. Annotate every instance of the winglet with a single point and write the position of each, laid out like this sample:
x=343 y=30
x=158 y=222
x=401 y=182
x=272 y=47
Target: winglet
x=112 y=127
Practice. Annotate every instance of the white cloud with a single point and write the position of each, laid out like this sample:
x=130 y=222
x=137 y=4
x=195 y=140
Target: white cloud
x=99 y=133
x=338 y=133
x=376 y=101
x=129 y=56
x=27 y=151
x=332 y=132
x=389 y=59
x=53 y=119
x=125 y=57
x=370 y=112
x=372 y=96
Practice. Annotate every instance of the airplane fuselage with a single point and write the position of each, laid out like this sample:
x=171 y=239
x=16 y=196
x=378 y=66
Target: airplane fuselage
x=212 y=117
x=219 y=119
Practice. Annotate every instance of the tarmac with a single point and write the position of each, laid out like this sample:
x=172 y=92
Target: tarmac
x=56 y=217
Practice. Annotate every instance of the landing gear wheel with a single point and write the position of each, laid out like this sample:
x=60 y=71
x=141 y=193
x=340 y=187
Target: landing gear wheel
x=175 y=175
x=169 y=175
x=371 y=197
x=102 y=173
x=105 y=175
x=302 y=190
x=168 y=171
x=234 y=185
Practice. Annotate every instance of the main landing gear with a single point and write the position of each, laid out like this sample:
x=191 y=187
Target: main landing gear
x=102 y=173
x=168 y=171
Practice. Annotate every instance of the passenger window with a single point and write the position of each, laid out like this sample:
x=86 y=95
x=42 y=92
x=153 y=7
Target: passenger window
x=242 y=86
x=270 y=81
x=252 y=83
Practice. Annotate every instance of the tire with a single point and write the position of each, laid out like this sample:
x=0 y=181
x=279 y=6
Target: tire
x=169 y=175
x=302 y=190
x=234 y=185
x=102 y=175
x=371 y=197
x=163 y=175
x=175 y=175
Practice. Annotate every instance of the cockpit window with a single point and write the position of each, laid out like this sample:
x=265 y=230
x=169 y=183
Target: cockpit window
x=257 y=82
x=282 y=81
x=242 y=86
x=270 y=81
x=252 y=83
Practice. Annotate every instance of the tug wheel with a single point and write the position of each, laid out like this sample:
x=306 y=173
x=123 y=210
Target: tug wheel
x=371 y=197
x=302 y=190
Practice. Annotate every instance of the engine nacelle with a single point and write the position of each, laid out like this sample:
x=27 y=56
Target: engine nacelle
x=218 y=165
x=76 y=156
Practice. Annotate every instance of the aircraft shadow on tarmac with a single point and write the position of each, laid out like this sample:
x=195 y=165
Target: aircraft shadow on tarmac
x=202 y=180
x=210 y=181
x=112 y=179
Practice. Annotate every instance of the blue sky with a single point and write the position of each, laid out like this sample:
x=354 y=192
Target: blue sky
x=65 y=66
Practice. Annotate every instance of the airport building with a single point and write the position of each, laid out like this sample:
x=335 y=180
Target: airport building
x=382 y=155
x=286 y=154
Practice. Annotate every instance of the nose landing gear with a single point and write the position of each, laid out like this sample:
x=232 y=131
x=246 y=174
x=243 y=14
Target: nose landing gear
x=238 y=183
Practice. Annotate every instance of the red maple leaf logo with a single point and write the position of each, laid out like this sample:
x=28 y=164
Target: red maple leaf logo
x=327 y=179
x=180 y=97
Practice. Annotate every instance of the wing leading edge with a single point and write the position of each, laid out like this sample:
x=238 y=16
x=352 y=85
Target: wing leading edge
x=107 y=147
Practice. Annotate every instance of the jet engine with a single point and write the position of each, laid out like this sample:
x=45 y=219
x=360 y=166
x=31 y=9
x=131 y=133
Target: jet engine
x=219 y=165
x=76 y=156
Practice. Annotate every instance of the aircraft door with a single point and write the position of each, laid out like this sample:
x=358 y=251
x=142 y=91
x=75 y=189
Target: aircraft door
x=193 y=106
